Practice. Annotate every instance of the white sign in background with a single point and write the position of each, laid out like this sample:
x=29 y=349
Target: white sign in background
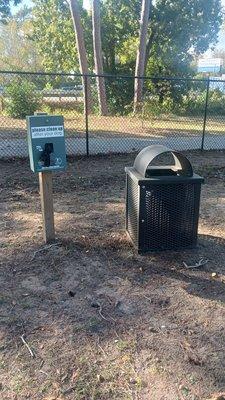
x=210 y=62
x=47 y=131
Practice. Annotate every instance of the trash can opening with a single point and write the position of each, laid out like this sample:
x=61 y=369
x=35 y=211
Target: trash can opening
x=162 y=165
x=146 y=162
x=162 y=171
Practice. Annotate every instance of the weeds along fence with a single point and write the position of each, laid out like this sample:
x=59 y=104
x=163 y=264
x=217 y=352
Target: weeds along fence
x=181 y=113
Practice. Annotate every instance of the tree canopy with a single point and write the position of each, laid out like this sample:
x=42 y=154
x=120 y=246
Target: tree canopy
x=177 y=31
x=5 y=8
x=181 y=28
x=54 y=35
x=17 y=50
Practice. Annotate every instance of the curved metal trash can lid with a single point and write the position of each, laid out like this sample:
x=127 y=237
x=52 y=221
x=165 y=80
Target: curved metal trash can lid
x=148 y=154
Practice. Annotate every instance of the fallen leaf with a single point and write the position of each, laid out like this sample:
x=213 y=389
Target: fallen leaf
x=100 y=378
x=133 y=381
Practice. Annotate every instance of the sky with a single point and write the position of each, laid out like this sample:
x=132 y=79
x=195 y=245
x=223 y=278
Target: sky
x=220 y=44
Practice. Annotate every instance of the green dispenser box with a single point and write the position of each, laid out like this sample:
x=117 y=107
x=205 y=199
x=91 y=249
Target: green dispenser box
x=46 y=143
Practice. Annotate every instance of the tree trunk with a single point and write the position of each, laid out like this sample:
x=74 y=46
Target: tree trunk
x=98 y=57
x=148 y=49
x=141 y=54
x=82 y=55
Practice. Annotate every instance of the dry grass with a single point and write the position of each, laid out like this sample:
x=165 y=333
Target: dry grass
x=160 y=334
x=126 y=126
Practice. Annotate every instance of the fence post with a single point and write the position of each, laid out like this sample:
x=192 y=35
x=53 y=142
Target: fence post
x=86 y=114
x=205 y=114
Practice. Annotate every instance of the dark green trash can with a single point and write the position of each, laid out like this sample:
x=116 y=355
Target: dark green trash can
x=162 y=202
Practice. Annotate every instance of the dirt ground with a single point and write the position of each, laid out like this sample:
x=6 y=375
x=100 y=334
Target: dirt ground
x=102 y=322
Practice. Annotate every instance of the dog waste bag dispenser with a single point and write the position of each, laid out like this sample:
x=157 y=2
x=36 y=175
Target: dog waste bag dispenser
x=47 y=153
x=46 y=143
x=162 y=202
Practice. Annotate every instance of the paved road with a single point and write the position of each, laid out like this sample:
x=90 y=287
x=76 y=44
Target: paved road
x=77 y=146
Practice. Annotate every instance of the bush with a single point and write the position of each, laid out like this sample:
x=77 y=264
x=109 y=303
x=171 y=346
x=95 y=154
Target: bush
x=216 y=103
x=153 y=107
x=22 y=98
x=120 y=93
x=191 y=104
x=194 y=103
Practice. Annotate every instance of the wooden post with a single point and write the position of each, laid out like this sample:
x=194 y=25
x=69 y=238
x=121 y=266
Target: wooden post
x=45 y=182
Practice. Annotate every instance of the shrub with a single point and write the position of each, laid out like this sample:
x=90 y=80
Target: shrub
x=194 y=103
x=190 y=104
x=22 y=98
x=153 y=107
x=120 y=93
x=216 y=103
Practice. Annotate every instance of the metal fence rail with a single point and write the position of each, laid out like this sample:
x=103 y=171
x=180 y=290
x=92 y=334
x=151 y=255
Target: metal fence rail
x=181 y=113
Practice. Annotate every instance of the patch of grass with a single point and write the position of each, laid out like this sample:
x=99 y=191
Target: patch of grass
x=45 y=387
x=17 y=384
x=2 y=364
x=96 y=383
x=124 y=345
x=4 y=245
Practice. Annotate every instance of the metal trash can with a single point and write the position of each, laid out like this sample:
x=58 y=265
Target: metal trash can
x=162 y=201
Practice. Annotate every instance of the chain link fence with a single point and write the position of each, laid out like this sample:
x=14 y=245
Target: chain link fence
x=184 y=114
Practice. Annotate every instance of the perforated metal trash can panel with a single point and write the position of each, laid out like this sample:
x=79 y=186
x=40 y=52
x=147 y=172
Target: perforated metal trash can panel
x=162 y=206
x=132 y=209
x=162 y=216
x=170 y=215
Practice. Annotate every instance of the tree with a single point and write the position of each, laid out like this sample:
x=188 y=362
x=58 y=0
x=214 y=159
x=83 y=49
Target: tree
x=98 y=57
x=18 y=51
x=54 y=36
x=178 y=26
x=175 y=27
x=119 y=26
x=5 y=10
x=178 y=31
x=141 y=53
x=170 y=32
x=82 y=55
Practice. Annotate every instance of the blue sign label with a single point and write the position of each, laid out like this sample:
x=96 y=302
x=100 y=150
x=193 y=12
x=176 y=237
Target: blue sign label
x=209 y=69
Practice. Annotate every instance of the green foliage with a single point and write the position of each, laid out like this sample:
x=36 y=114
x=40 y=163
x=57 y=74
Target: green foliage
x=53 y=34
x=175 y=27
x=154 y=107
x=18 y=51
x=55 y=38
x=120 y=25
x=120 y=94
x=193 y=102
x=22 y=98
x=185 y=24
